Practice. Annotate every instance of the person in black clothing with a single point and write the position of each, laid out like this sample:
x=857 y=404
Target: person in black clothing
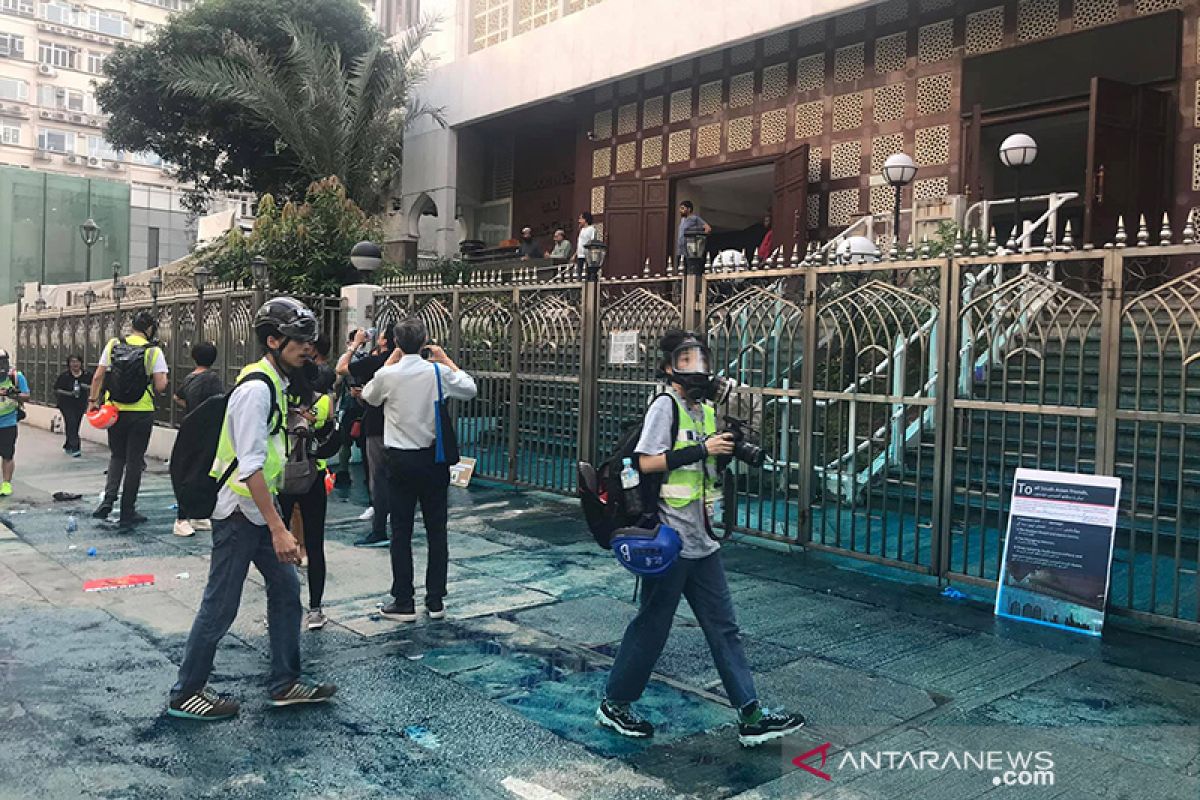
x=528 y=248
x=362 y=368
x=201 y=383
x=71 y=390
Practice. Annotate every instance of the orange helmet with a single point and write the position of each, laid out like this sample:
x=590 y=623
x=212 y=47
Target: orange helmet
x=103 y=417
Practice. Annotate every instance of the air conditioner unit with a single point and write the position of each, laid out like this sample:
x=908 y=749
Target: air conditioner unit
x=95 y=162
x=93 y=122
x=60 y=116
x=60 y=92
x=42 y=155
x=73 y=159
x=77 y=119
x=47 y=70
x=115 y=166
x=44 y=114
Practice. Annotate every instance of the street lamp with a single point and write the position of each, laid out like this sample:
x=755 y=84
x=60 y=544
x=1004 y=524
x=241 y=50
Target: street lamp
x=200 y=276
x=156 y=283
x=596 y=252
x=366 y=257
x=89 y=231
x=899 y=171
x=259 y=273
x=40 y=303
x=89 y=297
x=1018 y=151
x=118 y=293
x=695 y=245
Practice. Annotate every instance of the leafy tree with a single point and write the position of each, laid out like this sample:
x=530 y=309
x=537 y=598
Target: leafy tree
x=306 y=245
x=213 y=143
x=328 y=118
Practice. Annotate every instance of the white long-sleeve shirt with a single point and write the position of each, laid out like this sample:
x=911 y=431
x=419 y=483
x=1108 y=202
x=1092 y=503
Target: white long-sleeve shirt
x=249 y=412
x=587 y=235
x=407 y=390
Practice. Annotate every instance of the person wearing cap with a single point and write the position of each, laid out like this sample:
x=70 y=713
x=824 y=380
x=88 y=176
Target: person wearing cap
x=247 y=525
x=14 y=391
x=129 y=436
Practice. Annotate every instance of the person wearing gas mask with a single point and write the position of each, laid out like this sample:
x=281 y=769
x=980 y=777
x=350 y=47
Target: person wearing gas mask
x=690 y=463
x=131 y=372
x=14 y=391
x=247 y=526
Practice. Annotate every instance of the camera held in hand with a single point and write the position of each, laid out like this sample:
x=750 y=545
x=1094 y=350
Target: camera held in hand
x=745 y=443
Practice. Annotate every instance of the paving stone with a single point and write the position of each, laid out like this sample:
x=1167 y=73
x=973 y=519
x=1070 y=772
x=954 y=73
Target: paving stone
x=589 y=621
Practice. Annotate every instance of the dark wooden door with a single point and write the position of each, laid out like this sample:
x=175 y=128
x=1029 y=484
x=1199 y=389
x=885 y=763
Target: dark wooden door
x=1128 y=159
x=789 y=207
x=637 y=225
x=972 y=177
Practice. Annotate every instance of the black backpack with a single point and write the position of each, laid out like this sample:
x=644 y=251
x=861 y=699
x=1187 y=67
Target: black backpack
x=196 y=447
x=607 y=505
x=127 y=379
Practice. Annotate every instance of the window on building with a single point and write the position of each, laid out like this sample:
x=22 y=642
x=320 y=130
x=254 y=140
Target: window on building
x=536 y=13
x=12 y=45
x=109 y=23
x=13 y=89
x=56 y=141
x=17 y=6
x=98 y=147
x=95 y=62
x=58 y=11
x=489 y=22
x=60 y=98
x=151 y=248
x=10 y=134
x=58 y=55
x=171 y=5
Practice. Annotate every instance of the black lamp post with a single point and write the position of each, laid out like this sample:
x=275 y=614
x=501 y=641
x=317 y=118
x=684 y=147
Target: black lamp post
x=200 y=276
x=118 y=293
x=39 y=305
x=366 y=257
x=899 y=171
x=156 y=283
x=1018 y=151
x=695 y=245
x=597 y=252
x=259 y=272
x=89 y=231
x=89 y=297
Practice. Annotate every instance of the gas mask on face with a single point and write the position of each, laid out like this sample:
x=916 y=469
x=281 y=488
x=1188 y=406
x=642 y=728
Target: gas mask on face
x=690 y=368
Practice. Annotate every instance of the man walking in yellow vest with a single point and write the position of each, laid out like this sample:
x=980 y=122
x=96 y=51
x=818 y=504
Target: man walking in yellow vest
x=131 y=371
x=247 y=526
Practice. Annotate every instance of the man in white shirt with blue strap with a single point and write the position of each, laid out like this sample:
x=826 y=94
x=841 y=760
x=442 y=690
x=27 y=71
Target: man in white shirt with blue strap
x=407 y=388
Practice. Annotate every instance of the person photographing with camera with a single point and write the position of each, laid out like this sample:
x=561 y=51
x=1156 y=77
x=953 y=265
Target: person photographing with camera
x=14 y=391
x=360 y=367
x=680 y=445
x=411 y=387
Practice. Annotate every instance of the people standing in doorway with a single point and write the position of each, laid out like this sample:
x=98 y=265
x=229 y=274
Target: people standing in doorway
x=679 y=438
x=688 y=221
x=71 y=393
x=14 y=390
x=562 y=247
x=247 y=527
x=407 y=388
x=199 y=385
x=310 y=423
x=362 y=368
x=528 y=248
x=767 y=245
x=587 y=234
x=131 y=372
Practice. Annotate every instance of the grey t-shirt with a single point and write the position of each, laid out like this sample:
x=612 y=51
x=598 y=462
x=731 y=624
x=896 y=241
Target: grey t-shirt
x=692 y=222
x=689 y=520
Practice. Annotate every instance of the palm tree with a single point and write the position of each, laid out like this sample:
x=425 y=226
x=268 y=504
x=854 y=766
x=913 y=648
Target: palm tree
x=332 y=119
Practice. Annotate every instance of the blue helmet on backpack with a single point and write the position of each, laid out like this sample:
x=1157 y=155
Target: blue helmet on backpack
x=646 y=551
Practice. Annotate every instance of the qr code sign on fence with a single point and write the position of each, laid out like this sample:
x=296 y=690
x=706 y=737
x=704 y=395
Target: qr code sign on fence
x=623 y=348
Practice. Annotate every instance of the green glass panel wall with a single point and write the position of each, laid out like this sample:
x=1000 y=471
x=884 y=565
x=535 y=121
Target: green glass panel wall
x=40 y=215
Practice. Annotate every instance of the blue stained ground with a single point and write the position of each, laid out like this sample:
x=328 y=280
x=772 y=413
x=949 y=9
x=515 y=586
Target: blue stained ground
x=498 y=700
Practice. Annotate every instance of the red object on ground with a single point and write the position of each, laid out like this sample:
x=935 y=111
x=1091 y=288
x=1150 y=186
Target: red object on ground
x=123 y=582
x=103 y=417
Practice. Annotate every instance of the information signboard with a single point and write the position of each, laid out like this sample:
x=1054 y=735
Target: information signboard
x=1058 y=551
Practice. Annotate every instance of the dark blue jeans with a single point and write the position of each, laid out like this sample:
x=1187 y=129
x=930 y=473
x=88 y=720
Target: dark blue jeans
x=702 y=582
x=236 y=544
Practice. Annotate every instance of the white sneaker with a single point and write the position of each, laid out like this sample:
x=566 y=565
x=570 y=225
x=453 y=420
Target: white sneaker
x=201 y=524
x=183 y=527
x=367 y=515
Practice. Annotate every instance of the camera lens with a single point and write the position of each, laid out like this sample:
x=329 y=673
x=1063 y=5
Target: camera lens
x=749 y=453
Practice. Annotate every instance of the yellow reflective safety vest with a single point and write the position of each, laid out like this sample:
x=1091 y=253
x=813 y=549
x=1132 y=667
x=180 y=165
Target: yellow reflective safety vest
x=323 y=409
x=146 y=403
x=689 y=483
x=276 y=438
